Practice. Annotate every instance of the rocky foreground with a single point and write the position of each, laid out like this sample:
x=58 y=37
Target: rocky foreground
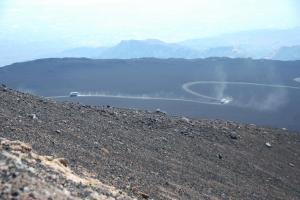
x=66 y=151
x=27 y=175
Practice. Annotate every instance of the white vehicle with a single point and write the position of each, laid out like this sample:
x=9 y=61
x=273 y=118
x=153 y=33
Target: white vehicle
x=74 y=94
x=226 y=100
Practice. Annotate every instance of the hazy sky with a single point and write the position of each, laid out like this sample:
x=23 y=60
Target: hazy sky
x=105 y=22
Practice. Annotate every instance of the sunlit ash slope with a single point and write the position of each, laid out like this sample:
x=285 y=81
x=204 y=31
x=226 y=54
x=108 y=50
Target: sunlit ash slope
x=152 y=155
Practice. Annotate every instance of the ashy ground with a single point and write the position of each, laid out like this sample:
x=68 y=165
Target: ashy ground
x=141 y=154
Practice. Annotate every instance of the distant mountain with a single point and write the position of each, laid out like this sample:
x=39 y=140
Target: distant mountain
x=288 y=53
x=153 y=48
x=254 y=44
x=134 y=49
x=148 y=48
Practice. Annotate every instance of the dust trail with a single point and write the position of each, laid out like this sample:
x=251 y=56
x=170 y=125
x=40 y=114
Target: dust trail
x=138 y=97
x=186 y=87
x=272 y=101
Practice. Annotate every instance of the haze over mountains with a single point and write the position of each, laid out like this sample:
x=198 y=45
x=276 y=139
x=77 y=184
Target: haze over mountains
x=255 y=44
x=268 y=44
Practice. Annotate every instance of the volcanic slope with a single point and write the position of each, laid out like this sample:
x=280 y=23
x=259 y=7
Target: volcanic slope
x=156 y=156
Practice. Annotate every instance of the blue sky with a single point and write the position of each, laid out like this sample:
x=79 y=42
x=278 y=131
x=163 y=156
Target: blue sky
x=106 y=22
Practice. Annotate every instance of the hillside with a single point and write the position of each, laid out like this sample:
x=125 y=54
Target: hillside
x=150 y=153
x=267 y=106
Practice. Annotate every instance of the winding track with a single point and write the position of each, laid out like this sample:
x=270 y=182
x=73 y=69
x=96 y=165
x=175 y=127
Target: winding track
x=186 y=87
